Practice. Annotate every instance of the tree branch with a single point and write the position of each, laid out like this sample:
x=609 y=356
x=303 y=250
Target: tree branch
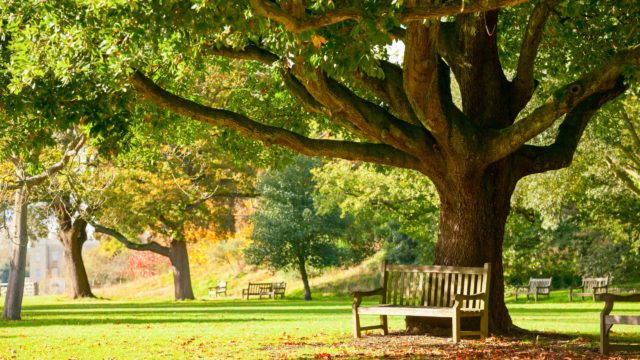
x=390 y=90
x=524 y=81
x=536 y=159
x=72 y=149
x=623 y=176
x=375 y=153
x=250 y=52
x=433 y=12
x=607 y=77
x=150 y=246
x=421 y=75
x=291 y=23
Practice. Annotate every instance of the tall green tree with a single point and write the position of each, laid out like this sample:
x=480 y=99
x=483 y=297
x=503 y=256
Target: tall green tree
x=288 y=231
x=333 y=58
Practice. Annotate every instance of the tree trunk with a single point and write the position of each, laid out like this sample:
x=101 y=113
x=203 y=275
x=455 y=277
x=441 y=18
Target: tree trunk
x=73 y=235
x=77 y=278
x=15 y=287
x=179 y=258
x=473 y=216
x=305 y=279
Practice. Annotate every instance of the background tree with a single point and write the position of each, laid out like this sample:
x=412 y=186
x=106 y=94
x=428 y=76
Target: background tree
x=288 y=231
x=160 y=199
x=29 y=173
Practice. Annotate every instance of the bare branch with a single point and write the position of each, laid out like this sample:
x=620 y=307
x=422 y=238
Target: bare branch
x=150 y=246
x=524 y=81
x=291 y=23
x=376 y=153
x=607 y=77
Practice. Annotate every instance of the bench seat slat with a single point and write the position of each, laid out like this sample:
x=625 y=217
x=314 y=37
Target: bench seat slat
x=430 y=311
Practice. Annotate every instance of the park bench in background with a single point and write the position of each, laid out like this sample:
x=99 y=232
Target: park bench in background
x=219 y=289
x=429 y=291
x=607 y=321
x=270 y=290
x=590 y=287
x=278 y=289
x=535 y=287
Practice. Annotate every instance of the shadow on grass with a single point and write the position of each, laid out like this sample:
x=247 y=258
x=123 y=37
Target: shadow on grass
x=27 y=323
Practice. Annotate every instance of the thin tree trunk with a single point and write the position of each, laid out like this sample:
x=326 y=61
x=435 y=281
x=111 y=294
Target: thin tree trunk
x=15 y=288
x=473 y=216
x=305 y=278
x=179 y=258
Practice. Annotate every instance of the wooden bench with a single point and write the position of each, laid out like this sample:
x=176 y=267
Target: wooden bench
x=270 y=290
x=607 y=321
x=429 y=291
x=258 y=289
x=219 y=289
x=278 y=289
x=535 y=287
x=591 y=287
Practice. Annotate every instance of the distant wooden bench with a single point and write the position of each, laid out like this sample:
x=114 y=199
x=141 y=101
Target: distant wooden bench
x=220 y=289
x=591 y=286
x=535 y=287
x=607 y=321
x=270 y=290
x=278 y=289
x=429 y=291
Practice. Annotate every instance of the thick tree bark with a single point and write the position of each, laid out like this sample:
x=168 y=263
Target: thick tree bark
x=73 y=235
x=305 y=278
x=473 y=215
x=179 y=258
x=15 y=288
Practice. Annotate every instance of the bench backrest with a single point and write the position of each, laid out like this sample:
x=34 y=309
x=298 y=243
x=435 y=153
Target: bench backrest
x=589 y=283
x=259 y=288
x=431 y=285
x=542 y=284
x=222 y=285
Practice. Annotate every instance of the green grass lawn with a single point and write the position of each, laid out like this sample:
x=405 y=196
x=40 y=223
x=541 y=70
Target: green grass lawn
x=57 y=328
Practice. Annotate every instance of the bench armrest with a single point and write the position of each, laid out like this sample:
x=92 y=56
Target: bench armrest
x=522 y=287
x=459 y=298
x=358 y=295
x=361 y=294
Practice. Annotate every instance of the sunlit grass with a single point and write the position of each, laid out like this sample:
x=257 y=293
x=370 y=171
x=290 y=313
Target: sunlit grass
x=57 y=328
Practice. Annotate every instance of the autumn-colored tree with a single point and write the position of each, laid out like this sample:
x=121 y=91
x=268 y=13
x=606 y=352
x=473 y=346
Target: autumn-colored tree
x=161 y=203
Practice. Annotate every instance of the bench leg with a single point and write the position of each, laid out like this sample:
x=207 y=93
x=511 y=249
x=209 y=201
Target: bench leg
x=385 y=325
x=484 y=326
x=356 y=324
x=604 y=338
x=455 y=328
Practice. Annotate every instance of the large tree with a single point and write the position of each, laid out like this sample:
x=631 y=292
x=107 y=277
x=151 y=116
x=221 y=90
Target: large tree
x=333 y=57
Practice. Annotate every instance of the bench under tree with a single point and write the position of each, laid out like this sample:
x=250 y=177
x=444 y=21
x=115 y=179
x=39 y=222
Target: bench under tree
x=428 y=291
x=591 y=287
x=535 y=288
x=607 y=321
